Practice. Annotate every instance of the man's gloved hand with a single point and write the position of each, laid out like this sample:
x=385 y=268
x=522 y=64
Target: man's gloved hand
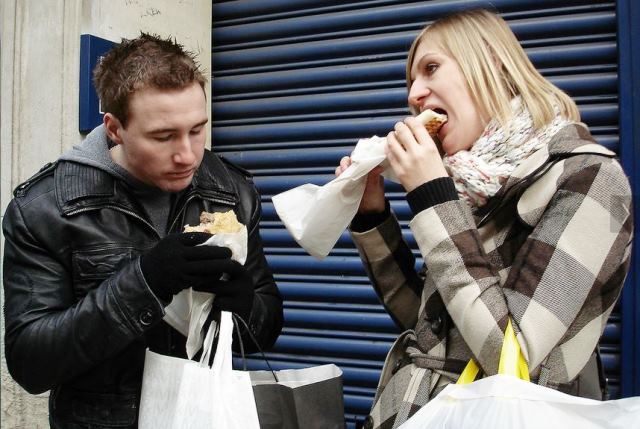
x=177 y=262
x=235 y=293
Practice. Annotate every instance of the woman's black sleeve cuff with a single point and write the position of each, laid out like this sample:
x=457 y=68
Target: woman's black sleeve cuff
x=365 y=221
x=431 y=193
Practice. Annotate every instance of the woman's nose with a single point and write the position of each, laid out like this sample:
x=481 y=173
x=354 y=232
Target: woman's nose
x=417 y=93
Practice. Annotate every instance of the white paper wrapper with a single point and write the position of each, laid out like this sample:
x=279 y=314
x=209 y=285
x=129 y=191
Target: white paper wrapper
x=189 y=309
x=315 y=215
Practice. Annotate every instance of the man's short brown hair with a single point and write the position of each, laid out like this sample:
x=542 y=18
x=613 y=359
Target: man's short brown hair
x=143 y=62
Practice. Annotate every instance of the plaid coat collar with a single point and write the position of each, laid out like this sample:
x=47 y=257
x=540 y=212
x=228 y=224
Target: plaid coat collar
x=572 y=140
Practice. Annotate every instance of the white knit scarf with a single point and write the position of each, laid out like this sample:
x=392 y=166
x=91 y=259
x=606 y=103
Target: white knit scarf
x=478 y=173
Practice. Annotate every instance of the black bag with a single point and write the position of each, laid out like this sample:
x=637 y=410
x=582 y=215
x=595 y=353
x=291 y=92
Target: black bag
x=306 y=398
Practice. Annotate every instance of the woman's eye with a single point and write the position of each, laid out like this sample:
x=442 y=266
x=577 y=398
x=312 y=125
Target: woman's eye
x=431 y=68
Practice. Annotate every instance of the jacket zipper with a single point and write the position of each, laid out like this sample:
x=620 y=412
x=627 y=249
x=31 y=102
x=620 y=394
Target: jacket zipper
x=117 y=208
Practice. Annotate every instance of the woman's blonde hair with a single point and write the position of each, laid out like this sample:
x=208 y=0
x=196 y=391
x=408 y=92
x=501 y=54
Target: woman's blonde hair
x=495 y=67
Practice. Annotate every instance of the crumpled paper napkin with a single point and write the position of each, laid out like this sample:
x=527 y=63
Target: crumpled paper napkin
x=189 y=309
x=315 y=215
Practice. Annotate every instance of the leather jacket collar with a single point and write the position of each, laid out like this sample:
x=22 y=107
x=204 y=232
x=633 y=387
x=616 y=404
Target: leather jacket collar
x=80 y=187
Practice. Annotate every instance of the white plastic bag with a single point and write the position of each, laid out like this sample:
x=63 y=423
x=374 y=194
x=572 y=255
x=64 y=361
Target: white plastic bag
x=184 y=394
x=509 y=400
x=189 y=309
x=504 y=401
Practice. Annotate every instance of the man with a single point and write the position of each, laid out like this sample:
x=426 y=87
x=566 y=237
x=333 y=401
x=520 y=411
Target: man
x=94 y=249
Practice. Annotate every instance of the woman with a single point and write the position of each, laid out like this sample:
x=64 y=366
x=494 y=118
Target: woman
x=517 y=212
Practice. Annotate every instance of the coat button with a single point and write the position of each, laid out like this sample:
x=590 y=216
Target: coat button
x=368 y=423
x=436 y=325
x=146 y=317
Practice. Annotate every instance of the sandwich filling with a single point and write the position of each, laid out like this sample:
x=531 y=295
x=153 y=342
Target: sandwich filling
x=216 y=223
x=432 y=121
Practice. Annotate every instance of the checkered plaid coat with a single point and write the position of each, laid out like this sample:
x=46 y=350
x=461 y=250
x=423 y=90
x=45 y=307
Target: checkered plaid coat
x=550 y=251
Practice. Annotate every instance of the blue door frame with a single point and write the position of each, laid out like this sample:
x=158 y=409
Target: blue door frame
x=628 y=15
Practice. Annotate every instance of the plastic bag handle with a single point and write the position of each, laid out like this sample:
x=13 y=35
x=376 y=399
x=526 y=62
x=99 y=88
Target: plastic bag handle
x=238 y=319
x=207 y=345
x=214 y=331
x=222 y=357
x=512 y=361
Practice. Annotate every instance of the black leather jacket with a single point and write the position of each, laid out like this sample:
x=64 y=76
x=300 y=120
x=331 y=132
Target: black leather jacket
x=79 y=314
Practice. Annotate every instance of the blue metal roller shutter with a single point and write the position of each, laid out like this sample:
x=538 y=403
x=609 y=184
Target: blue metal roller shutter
x=296 y=83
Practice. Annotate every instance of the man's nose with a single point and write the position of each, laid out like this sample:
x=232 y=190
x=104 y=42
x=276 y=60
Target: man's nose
x=184 y=152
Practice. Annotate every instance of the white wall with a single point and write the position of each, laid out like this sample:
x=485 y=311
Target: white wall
x=39 y=60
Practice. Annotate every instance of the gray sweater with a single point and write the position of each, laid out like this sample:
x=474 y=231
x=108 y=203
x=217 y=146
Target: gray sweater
x=94 y=151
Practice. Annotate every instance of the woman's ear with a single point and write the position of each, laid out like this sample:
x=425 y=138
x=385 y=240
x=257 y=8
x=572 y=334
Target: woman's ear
x=113 y=127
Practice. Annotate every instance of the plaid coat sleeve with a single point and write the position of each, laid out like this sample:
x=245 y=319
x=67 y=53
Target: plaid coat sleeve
x=390 y=265
x=561 y=283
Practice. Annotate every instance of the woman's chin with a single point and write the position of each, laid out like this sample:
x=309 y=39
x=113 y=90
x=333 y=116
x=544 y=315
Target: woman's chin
x=452 y=145
x=448 y=149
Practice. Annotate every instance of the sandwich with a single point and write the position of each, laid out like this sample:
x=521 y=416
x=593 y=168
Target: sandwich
x=432 y=121
x=216 y=223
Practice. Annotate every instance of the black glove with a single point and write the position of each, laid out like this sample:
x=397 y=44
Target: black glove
x=235 y=292
x=177 y=263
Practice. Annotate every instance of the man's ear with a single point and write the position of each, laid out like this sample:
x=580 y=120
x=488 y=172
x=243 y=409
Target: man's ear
x=113 y=127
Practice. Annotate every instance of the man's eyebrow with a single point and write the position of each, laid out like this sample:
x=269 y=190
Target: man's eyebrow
x=169 y=130
x=201 y=123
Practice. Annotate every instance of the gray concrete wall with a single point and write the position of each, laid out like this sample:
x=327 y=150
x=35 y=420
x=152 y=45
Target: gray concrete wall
x=39 y=60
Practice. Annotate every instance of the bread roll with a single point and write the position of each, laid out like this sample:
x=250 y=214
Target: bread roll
x=216 y=223
x=432 y=121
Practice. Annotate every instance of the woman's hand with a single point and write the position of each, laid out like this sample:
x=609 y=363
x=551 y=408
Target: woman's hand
x=373 y=198
x=413 y=155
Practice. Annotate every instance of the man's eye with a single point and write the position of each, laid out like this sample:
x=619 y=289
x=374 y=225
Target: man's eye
x=196 y=131
x=163 y=138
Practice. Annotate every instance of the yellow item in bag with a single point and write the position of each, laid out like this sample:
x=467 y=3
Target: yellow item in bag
x=511 y=360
